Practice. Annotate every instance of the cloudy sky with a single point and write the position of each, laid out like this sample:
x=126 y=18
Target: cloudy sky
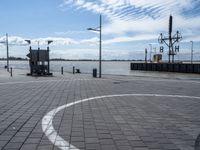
x=129 y=26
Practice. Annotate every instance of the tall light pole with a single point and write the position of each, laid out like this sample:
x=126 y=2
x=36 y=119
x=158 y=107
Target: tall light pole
x=150 y=51
x=30 y=55
x=191 y=52
x=49 y=42
x=145 y=55
x=99 y=29
x=7 y=48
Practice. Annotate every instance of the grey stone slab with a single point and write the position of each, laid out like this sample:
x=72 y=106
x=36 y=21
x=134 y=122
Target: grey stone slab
x=18 y=139
x=143 y=148
x=92 y=146
x=33 y=140
x=45 y=147
x=3 y=143
x=11 y=145
x=124 y=147
x=108 y=147
x=29 y=147
x=91 y=140
x=5 y=137
x=136 y=122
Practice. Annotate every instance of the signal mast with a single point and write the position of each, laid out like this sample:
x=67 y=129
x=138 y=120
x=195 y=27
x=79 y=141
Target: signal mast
x=170 y=41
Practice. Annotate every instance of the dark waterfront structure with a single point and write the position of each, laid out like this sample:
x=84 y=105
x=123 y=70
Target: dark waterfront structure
x=39 y=62
x=170 y=41
x=167 y=67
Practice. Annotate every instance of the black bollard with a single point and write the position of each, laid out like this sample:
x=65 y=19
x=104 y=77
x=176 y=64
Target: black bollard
x=197 y=143
x=73 y=70
x=11 y=72
x=94 y=72
x=62 y=70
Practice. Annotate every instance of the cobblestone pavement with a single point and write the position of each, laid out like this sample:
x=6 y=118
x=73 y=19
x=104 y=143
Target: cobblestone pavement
x=159 y=121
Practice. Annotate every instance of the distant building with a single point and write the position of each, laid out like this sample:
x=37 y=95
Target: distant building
x=157 y=58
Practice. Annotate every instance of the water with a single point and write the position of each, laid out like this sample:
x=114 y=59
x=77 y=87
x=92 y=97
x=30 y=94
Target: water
x=108 y=67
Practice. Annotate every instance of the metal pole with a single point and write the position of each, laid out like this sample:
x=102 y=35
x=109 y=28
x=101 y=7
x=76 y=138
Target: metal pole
x=150 y=51
x=145 y=55
x=38 y=44
x=73 y=70
x=100 y=49
x=11 y=72
x=191 y=52
x=7 y=52
x=30 y=61
x=62 y=70
x=48 y=59
x=170 y=40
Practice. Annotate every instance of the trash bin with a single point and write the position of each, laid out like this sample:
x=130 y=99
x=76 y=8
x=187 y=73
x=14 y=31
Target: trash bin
x=94 y=72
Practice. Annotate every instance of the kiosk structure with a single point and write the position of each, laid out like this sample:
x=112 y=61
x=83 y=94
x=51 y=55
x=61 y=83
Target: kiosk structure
x=39 y=62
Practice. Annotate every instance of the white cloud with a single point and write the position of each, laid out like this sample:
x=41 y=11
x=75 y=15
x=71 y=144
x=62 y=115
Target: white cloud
x=131 y=9
x=130 y=39
x=56 y=41
x=13 y=40
x=20 y=41
x=141 y=16
x=91 y=41
x=141 y=26
x=74 y=53
x=74 y=32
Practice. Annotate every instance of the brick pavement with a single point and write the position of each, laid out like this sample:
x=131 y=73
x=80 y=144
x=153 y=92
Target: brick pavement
x=121 y=123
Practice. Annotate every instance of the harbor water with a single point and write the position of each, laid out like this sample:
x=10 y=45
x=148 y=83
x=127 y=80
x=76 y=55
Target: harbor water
x=108 y=67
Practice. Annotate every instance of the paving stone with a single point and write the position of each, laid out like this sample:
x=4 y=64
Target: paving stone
x=3 y=143
x=18 y=139
x=29 y=147
x=143 y=148
x=11 y=145
x=33 y=140
x=126 y=122
x=124 y=147
x=45 y=147
x=92 y=146
x=108 y=147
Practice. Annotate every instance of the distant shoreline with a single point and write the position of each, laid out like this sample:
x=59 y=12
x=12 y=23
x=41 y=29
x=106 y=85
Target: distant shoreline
x=67 y=60
x=89 y=60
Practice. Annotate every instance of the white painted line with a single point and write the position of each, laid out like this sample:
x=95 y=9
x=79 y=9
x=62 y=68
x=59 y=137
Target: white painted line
x=47 y=120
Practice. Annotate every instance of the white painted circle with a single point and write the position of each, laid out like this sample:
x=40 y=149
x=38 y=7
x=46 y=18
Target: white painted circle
x=52 y=135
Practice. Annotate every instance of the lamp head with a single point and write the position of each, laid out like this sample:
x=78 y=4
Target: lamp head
x=28 y=41
x=49 y=42
x=89 y=29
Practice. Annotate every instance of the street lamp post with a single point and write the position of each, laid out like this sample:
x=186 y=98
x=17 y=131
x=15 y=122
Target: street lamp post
x=145 y=55
x=29 y=43
x=7 y=48
x=99 y=29
x=49 y=42
x=150 y=51
x=7 y=51
x=191 y=52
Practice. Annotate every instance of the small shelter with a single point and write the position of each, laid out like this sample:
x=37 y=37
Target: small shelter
x=157 y=58
x=39 y=62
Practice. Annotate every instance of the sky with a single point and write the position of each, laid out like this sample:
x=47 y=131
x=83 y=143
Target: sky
x=128 y=27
